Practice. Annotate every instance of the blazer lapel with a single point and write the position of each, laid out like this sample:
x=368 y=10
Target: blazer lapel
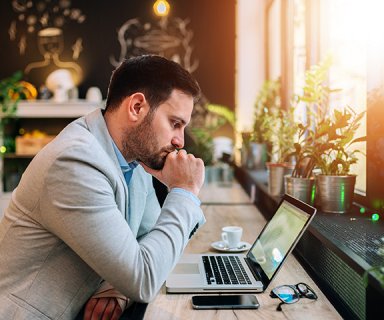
x=97 y=126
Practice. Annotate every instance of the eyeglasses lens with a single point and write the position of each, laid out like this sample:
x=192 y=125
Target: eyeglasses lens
x=286 y=294
x=303 y=289
x=306 y=291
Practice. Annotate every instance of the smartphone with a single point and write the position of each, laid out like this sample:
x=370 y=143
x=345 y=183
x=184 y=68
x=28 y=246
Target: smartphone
x=238 y=301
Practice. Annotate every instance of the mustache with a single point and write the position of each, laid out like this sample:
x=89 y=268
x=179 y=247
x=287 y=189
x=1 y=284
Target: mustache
x=168 y=149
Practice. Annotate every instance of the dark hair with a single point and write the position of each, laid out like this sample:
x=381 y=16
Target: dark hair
x=156 y=77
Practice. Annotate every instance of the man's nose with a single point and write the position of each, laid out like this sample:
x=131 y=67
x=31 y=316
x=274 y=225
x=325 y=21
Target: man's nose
x=178 y=141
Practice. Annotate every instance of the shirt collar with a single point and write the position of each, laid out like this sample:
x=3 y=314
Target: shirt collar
x=124 y=165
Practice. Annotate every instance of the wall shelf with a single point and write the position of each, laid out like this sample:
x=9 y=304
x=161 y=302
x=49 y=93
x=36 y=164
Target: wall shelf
x=51 y=109
x=18 y=156
x=45 y=115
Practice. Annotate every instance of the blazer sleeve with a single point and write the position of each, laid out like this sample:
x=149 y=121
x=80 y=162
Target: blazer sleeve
x=78 y=205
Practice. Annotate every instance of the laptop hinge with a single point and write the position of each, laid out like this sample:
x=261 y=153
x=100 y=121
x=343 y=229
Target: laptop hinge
x=250 y=264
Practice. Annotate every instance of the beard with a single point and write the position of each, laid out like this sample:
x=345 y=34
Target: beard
x=140 y=143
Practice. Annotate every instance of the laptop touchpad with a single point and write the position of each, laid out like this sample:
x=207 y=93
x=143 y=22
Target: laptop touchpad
x=186 y=268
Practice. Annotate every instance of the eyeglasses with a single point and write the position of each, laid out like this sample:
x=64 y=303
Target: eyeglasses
x=292 y=293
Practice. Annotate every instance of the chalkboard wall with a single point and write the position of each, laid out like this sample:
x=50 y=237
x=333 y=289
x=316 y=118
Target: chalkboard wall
x=89 y=39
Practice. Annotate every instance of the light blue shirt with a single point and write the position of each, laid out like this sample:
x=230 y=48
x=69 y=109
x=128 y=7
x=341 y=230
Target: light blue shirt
x=126 y=167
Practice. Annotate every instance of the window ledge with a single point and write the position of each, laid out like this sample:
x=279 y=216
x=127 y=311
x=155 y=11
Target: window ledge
x=336 y=257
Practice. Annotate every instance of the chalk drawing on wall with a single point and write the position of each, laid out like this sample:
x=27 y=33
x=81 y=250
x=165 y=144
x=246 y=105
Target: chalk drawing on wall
x=42 y=22
x=168 y=37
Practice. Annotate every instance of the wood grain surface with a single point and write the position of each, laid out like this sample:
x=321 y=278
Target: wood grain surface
x=178 y=306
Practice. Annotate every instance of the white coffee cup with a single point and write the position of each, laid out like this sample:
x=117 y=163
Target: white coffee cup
x=231 y=236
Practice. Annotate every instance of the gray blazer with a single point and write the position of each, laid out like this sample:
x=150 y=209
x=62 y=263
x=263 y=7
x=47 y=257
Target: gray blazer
x=66 y=228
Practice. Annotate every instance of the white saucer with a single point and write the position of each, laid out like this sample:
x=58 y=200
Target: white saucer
x=220 y=246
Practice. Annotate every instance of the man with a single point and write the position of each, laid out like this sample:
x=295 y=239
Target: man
x=85 y=217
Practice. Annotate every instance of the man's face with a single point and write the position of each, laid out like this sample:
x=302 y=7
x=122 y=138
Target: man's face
x=159 y=133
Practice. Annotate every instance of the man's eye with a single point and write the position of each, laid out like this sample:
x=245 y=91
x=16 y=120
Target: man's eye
x=176 y=124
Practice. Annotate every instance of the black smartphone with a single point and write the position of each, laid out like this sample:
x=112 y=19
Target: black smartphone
x=238 y=301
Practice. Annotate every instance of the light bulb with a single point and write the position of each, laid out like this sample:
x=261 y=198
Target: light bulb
x=161 y=8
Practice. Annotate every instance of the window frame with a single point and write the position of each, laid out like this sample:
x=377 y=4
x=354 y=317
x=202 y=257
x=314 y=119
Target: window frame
x=372 y=200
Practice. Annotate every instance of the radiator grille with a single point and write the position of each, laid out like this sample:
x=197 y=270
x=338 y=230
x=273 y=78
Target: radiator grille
x=335 y=273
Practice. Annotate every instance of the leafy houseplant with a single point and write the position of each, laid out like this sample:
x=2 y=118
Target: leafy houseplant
x=202 y=146
x=274 y=127
x=12 y=90
x=267 y=102
x=316 y=92
x=329 y=149
x=332 y=140
x=314 y=97
x=281 y=134
x=202 y=130
x=255 y=145
x=202 y=133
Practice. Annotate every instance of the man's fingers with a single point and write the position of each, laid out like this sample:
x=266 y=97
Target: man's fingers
x=89 y=307
x=181 y=152
x=117 y=312
x=112 y=311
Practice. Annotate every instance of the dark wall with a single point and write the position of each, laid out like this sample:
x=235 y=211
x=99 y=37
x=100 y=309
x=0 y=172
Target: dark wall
x=213 y=42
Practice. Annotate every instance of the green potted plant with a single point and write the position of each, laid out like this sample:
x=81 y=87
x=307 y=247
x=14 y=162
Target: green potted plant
x=316 y=92
x=12 y=90
x=281 y=133
x=331 y=150
x=301 y=183
x=314 y=97
x=202 y=133
x=274 y=129
x=328 y=148
x=267 y=103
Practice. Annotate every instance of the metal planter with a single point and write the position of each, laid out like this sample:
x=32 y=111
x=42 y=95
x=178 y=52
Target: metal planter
x=301 y=188
x=335 y=193
x=276 y=173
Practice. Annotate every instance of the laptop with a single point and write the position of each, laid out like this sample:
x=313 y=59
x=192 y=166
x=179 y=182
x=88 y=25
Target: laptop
x=251 y=272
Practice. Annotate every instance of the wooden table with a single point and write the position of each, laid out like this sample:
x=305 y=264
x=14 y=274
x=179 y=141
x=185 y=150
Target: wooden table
x=178 y=306
x=224 y=193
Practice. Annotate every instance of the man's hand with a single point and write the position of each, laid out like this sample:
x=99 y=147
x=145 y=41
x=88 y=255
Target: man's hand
x=181 y=170
x=102 y=309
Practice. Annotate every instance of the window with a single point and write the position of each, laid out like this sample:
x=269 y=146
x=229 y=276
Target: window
x=352 y=33
x=345 y=41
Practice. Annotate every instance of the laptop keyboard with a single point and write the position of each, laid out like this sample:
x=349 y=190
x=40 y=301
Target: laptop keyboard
x=225 y=270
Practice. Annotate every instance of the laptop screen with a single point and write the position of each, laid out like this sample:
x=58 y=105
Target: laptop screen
x=278 y=238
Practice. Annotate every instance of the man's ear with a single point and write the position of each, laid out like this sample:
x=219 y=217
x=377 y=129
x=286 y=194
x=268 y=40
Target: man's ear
x=136 y=106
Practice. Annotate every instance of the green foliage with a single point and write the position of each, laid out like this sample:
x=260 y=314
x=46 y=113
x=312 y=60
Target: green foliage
x=273 y=125
x=202 y=136
x=223 y=112
x=328 y=147
x=203 y=144
x=11 y=91
x=316 y=92
x=280 y=133
x=324 y=139
x=267 y=102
